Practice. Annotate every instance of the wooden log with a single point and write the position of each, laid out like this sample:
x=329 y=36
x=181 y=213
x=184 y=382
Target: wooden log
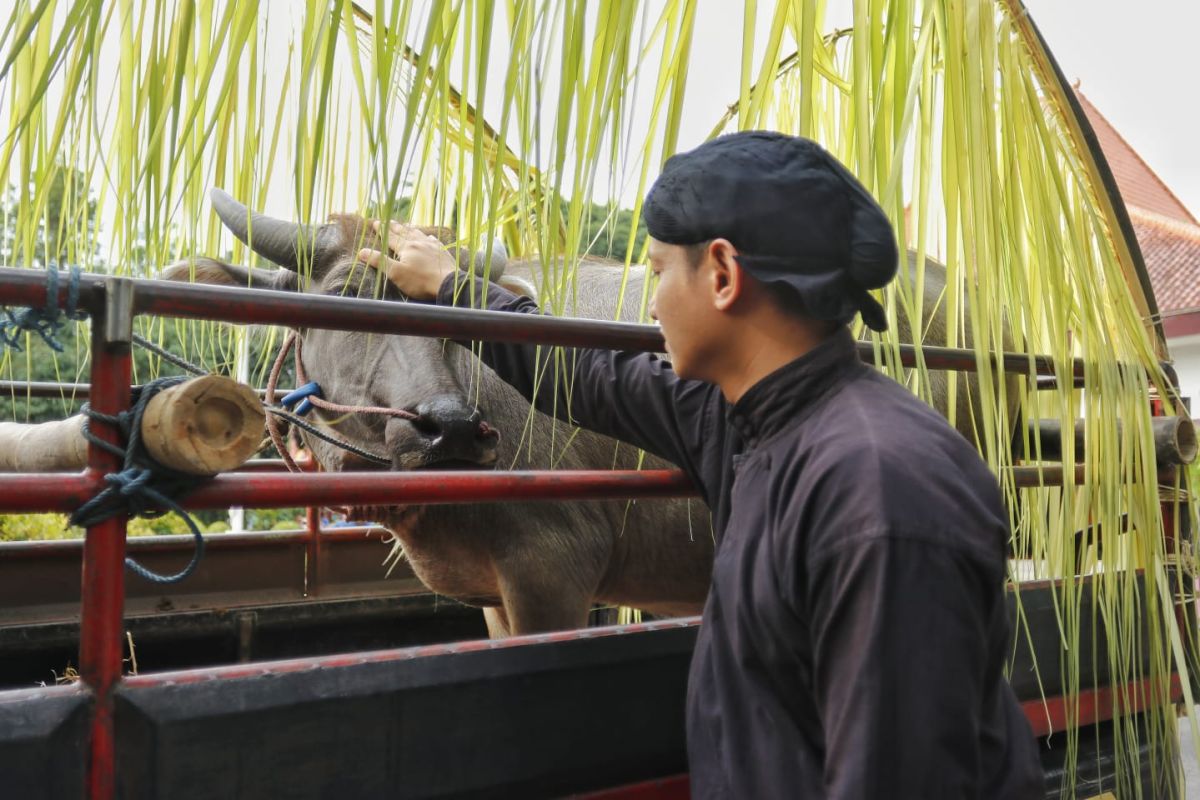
x=56 y=446
x=202 y=427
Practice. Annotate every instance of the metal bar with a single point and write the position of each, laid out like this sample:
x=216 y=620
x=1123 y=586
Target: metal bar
x=80 y=391
x=71 y=549
x=1174 y=438
x=1029 y=477
x=27 y=493
x=22 y=493
x=103 y=593
x=27 y=287
x=1095 y=705
x=21 y=389
x=1046 y=383
x=405 y=654
x=1046 y=716
x=52 y=389
x=190 y=301
x=312 y=551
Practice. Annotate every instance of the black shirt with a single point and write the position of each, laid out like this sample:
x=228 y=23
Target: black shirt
x=855 y=631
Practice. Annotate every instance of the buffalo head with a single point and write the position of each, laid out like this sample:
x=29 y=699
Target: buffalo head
x=424 y=376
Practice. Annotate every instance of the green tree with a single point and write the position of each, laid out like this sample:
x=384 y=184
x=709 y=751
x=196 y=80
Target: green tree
x=606 y=231
x=67 y=228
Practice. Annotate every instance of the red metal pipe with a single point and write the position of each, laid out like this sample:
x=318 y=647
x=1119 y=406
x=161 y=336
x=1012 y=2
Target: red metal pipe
x=24 y=493
x=425 y=488
x=345 y=313
x=27 y=287
x=185 y=543
x=191 y=301
x=27 y=493
x=1096 y=705
x=312 y=551
x=103 y=597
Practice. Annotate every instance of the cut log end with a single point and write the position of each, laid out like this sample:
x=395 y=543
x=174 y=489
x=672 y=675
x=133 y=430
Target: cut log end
x=205 y=426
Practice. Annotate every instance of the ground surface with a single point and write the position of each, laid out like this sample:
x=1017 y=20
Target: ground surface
x=1191 y=769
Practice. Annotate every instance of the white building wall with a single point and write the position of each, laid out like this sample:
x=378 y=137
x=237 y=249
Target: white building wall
x=1185 y=352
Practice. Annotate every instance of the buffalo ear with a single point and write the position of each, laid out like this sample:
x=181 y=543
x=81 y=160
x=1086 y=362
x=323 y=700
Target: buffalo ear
x=218 y=273
x=468 y=261
x=499 y=261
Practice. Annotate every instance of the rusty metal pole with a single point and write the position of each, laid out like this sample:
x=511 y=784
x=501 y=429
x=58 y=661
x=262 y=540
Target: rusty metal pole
x=312 y=552
x=101 y=641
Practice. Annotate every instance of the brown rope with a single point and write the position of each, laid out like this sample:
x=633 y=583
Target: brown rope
x=294 y=340
x=272 y=421
x=322 y=403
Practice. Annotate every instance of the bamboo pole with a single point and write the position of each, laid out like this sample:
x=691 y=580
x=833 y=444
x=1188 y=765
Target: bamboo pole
x=202 y=427
x=1174 y=439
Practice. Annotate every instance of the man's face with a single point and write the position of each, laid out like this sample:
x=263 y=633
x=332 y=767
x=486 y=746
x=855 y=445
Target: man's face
x=681 y=306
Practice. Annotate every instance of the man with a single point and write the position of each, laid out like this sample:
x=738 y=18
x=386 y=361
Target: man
x=854 y=635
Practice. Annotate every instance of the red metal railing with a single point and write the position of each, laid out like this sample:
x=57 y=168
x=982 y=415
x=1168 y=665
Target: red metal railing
x=22 y=287
x=113 y=302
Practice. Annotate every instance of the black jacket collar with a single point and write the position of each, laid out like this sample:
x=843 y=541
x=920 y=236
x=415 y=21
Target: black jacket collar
x=789 y=392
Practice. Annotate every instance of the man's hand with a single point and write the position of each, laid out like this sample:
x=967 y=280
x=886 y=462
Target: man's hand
x=418 y=263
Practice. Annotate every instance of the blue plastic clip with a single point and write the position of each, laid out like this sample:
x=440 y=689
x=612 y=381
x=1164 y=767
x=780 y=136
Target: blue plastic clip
x=301 y=396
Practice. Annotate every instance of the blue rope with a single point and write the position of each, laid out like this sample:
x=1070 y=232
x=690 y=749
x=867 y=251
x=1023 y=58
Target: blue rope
x=301 y=395
x=45 y=322
x=143 y=487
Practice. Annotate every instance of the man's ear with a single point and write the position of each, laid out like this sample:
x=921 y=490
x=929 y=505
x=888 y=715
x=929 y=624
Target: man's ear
x=726 y=276
x=218 y=273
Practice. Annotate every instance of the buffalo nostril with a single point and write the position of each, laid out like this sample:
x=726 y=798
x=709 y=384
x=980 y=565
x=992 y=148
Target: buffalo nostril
x=427 y=425
x=451 y=424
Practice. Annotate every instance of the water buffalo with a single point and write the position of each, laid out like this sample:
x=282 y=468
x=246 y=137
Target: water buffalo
x=531 y=566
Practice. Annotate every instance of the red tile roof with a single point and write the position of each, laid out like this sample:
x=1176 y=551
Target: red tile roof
x=1138 y=184
x=1171 y=248
x=1168 y=234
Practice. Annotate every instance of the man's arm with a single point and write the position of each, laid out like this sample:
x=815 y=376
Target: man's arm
x=634 y=397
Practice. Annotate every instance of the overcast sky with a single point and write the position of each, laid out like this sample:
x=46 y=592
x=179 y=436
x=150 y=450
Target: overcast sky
x=1139 y=65
x=1138 y=62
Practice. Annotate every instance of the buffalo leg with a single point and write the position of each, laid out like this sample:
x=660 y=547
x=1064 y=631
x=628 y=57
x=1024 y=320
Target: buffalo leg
x=533 y=608
x=497 y=622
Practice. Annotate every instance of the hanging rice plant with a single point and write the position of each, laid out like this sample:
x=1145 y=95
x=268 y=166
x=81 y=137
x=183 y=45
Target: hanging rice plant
x=509 y=120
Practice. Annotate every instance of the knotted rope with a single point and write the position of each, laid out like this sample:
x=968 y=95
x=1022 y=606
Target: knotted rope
x=143 y=487
x=46 y=321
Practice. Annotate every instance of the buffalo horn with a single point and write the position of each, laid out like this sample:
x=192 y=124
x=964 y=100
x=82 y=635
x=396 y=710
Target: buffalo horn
x=276 y=240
